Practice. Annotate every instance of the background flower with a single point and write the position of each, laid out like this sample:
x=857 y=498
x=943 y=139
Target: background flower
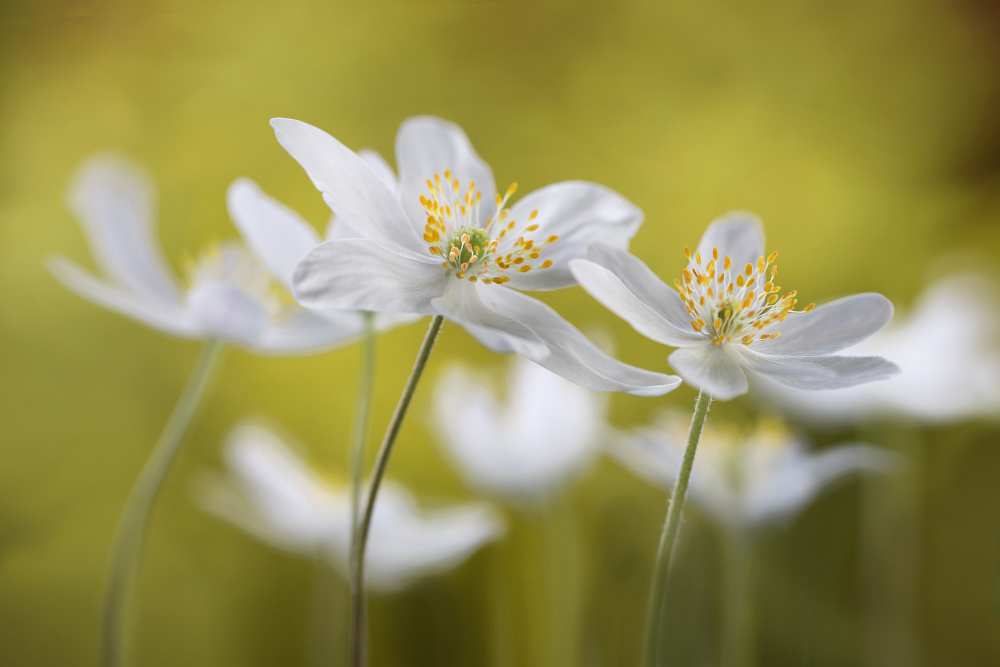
x=271 y=494
x=525 y=448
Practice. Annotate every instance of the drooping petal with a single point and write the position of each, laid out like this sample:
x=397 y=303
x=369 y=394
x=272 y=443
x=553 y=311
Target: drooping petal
x=712 y=368
x=228 y=313
x=831 y=327
x=827 y=372
x=349 y=186
x=381 y=168
x=360 y=274
x=462 y=303
x=114 y=200
x=304 y=332
x=164 y=315
x=570 y=353
x=626 y=286
x=802 y=476
x=275 y=233
x=426 y=145
x=580 y=214
x=738 y=235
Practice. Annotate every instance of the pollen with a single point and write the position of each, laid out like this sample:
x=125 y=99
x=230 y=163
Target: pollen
x=475 y=248
x=741 y=307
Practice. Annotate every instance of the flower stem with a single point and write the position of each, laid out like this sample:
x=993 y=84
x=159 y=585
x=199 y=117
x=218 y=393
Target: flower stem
x=671 y=526
x=358 y=653
x=126 y=550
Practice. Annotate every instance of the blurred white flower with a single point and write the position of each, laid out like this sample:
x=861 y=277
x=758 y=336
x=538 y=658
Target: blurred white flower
x=441 y=241
x=949 y=346
x=233 y=295
x=743 y=482
x=729 y=318
x=525 y=449
x=273 y=495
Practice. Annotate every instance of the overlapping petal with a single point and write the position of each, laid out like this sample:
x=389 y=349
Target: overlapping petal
x=739 y=235
x=826 y=372
x=713 y=368
x=580 y=214
x=831 y=327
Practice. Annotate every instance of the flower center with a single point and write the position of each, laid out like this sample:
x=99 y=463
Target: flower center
x=474 y=250
x=728 y=303
x=233 y=265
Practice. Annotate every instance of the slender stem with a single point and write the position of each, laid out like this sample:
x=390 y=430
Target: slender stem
x=737 y=632
x=671 y=526
x=358 y=652
x=126 y=550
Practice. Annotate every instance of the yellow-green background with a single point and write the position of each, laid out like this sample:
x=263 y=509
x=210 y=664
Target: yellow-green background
x=863 y=132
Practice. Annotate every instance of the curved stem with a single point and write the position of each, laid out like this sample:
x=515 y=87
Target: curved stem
x=126 y=550
x=381 y=462
x=366 y=385
x=671 y=526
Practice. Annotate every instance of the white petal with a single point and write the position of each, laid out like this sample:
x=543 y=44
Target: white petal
x=426 y=145
x=738 y=235
x=160 y=314
x=349 y=186
x=801 y=476
x=114 y=200
x=580 y=214
x=357 y=274
x=626 y=286
x=274 y=232
x=570 y=353
x=711 y=368
x=829 y=372
x=830 y=327
x=305 y=332
x=462 y=303
x=380 y=168
x=226 y=312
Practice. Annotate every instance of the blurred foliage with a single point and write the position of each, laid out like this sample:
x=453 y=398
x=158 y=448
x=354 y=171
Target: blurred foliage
x=864 y=133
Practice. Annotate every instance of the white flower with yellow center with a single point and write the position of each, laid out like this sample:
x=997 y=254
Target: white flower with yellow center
x=272 y=494
x=441 y=241
x=743 y=480
x=233 y=294
x=730 y=319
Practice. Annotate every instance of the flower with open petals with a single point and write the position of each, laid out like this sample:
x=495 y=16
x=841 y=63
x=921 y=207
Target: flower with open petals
x=743 y=483
x=274 y=496
x=440 y=240
x=526 y=450
x=234 y=294
x=730 y=319
x=950 y=347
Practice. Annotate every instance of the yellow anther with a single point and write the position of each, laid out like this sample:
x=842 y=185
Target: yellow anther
x=727 y=262
x=533 y=215
x=772 y=257
x=531 y=228
x=546 y=264
x=747 y=340
x=809 y=308
x=748 y=269
x=525 y=268
x=552 y=239
x=715 y=253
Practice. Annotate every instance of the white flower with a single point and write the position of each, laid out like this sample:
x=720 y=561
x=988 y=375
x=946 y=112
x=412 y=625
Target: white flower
x=441 y=241
x=729 y=319
x=234 y=295
x=950 y=347
x=743 y=482
x=526 y=450
x=274 y=496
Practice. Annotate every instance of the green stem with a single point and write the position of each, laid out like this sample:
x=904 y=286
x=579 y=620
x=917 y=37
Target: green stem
x=671 y=526
x=358 y=653
x=126 y=550
x=737 y=633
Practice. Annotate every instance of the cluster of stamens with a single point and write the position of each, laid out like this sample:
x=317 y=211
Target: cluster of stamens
x=234 y=265
x=472 y=251
x=731 y=303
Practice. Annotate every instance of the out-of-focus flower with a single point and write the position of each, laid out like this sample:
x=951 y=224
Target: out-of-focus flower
x=232 y=295
x=441 y=241
x=743 y=482
x=949 y=347
x=729 y=318
x=522 y=451
x=274 y=496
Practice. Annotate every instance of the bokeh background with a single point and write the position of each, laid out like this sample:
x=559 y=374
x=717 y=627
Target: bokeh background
x=864 y=133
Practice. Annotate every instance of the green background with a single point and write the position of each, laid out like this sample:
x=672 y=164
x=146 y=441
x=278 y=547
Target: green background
x=863 y=132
